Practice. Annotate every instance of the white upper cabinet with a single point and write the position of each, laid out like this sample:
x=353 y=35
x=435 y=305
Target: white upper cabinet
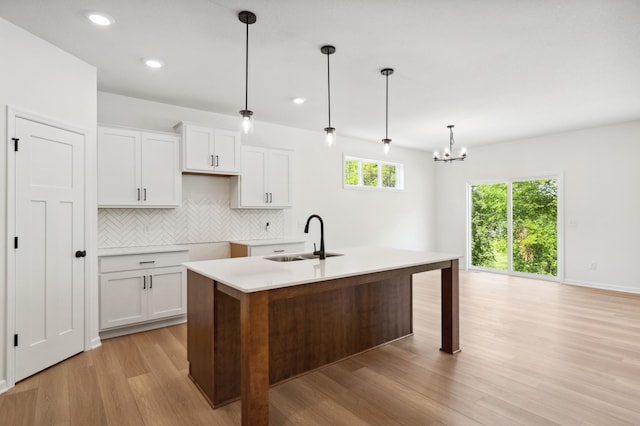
x=207 y=150
x=265 y=181
x=138 y=169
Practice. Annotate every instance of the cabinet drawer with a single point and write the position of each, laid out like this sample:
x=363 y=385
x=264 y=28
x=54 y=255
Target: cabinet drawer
x=142 y=261
x=275 y=249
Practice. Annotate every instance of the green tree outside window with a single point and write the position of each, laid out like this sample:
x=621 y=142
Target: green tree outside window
x=369 y=174
x=351 y=172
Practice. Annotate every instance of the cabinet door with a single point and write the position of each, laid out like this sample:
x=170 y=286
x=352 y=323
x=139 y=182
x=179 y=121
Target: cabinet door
x=123 y=298
x=226 y=151
x=161 y=178
x=253 y=184
x=167 y=292
x=279 y=178
x=198 y=148
x=118 y=167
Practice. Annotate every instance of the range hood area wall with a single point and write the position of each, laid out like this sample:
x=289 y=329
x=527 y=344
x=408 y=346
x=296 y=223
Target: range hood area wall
x=398 y=219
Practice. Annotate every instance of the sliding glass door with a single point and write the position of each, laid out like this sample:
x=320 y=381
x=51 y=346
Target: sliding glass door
x=514 y=226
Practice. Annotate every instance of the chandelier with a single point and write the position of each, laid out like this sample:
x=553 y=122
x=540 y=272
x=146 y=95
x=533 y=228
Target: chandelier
x=447 y=155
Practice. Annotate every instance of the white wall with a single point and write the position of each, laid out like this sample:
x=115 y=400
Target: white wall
x=38 y=77
x=601 y=181
x=396 y=219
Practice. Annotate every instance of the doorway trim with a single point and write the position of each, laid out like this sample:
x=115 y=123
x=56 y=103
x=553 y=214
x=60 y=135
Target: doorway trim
x=90 y=210
x=559 y=177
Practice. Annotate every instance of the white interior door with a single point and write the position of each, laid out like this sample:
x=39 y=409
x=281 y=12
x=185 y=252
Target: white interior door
x=49 y=278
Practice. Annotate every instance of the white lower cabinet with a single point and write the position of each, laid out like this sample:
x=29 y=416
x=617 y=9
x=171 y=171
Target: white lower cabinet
x=144 y=292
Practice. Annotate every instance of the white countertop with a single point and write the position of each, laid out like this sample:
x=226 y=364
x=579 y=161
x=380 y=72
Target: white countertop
x=250 y=274
x=119 y=251
x=255 y=243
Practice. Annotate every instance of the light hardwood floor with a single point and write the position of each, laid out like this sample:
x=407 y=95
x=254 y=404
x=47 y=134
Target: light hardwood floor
x=533 y=352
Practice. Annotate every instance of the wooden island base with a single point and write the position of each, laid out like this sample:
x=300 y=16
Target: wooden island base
x=241 y=343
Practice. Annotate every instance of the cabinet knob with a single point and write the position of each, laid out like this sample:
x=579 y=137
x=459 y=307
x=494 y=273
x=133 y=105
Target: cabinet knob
x=80 y=253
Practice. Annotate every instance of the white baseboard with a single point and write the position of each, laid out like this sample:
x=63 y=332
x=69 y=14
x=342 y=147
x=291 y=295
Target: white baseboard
x=602 y=286
x=108 y=334
x=95 y=343
x=3 y=386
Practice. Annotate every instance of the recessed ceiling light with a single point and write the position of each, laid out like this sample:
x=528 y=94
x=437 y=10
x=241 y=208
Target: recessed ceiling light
x=153 y=63
x=100 y=19
x=299 y=100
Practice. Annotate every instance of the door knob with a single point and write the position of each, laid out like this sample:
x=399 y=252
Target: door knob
x=81 y=253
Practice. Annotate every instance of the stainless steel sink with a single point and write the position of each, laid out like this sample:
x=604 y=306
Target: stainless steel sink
x=316 y=256
x=294 y=258
x=284 y=258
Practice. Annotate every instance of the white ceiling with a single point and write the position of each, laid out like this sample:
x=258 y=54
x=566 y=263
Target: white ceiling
x=497 y=69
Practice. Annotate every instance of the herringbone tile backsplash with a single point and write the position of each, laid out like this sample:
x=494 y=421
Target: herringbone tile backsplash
x=196 y=221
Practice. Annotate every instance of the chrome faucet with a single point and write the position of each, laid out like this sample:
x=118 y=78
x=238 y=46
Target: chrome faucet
x=306 y=231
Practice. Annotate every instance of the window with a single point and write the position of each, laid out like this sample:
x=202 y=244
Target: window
x=362 y=173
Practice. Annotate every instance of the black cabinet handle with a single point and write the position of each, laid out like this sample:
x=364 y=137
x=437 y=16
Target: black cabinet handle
x=144 y=282
x=150 y=281
x=81 y=253
x=138 y=194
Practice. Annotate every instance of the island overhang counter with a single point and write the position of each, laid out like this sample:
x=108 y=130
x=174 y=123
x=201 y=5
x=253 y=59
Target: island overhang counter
x=253 y=322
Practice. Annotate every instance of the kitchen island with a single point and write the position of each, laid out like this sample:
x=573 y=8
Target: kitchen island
x=253 y=322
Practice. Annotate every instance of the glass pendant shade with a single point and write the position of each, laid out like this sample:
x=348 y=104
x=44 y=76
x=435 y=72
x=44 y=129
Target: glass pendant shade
x=247 y=122
x=386 y=146
x=330 y=136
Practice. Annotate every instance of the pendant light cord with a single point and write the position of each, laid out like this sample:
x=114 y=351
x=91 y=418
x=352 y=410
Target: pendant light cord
x=386 y=117
x=246 y=71
x=329 y=87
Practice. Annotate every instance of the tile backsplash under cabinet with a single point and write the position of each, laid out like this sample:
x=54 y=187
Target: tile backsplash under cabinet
x=196 y=221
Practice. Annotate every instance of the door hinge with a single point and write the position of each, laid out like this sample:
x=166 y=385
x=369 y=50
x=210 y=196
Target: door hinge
x=15 y=340
x=15 y=140
x=15 y=242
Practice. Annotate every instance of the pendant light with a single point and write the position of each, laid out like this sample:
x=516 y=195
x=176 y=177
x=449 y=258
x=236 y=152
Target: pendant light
x=330 y=132
x=447 y=155
x=386 y=141
x=246 y=18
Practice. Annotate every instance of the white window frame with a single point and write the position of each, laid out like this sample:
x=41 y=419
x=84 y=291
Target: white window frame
x=360 y=186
